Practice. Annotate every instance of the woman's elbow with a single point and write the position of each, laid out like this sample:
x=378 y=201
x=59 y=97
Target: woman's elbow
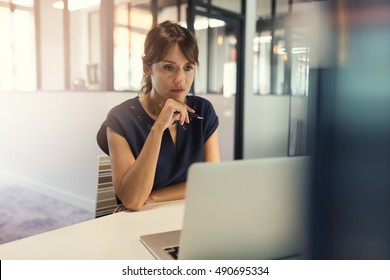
x=132 y=202
x=133 y=205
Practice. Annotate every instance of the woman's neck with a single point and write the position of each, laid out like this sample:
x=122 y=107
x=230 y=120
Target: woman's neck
x=152 y=104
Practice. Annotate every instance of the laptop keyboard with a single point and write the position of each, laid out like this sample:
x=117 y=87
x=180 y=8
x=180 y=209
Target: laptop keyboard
x=173 y=251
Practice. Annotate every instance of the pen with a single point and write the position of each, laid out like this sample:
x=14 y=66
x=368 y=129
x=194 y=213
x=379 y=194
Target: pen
x=190 y=115
x=194 y=116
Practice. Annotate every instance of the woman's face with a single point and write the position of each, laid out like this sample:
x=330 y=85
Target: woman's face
x=173 y=76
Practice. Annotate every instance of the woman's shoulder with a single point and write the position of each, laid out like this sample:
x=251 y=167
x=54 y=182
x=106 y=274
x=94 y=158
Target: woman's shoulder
x=198 y=101
x=125 y=106
x=203 y=107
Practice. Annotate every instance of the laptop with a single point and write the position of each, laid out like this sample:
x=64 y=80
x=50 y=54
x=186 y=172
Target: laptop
x=240 y=209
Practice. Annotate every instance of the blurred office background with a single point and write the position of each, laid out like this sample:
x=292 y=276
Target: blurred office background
x=287 y=78
x=351 y=188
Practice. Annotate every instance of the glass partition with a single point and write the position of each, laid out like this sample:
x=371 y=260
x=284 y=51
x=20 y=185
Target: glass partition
x=217 y=40
x=132 y=22
x=72 y=49
x=231 y=5
x=281 y=51
x=17 y=47
x=219 y=31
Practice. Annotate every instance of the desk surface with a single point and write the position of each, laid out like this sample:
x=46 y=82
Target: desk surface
x=111 y=237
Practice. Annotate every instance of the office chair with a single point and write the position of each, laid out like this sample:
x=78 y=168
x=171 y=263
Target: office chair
x=105 y=203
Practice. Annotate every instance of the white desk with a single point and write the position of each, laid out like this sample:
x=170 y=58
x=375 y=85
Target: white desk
x=111 y=237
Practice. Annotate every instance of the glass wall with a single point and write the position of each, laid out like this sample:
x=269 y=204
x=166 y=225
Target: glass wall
x=231 y=5
x=81 y=35
x=72 y=48
x=17 y=47
x=281 y=53
x=132 y=22
x=217 y=40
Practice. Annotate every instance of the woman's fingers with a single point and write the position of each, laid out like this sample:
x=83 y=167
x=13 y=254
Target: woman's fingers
x=178 y=111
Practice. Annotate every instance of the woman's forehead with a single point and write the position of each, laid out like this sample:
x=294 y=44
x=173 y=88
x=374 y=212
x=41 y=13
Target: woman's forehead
x=175 y=55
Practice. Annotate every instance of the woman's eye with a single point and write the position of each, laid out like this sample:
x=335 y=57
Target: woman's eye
x=189 y=68
x=168 y=67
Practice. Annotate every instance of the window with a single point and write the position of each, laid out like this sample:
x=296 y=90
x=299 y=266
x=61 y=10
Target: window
x=231 y=5
x=281 y=53
x=217 y=40
x=132 y=22
x=281 y=63
x=17 y=48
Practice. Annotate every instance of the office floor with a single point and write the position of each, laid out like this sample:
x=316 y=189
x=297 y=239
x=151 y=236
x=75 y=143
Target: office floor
x=24 y=212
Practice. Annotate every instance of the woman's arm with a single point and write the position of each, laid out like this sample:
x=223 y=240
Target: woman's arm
x=133 y=179
x=172 y=192
x=211 y=148
x=177 y=191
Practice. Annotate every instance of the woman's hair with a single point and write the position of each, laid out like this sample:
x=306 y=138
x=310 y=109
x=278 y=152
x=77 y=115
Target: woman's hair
x=160 y=40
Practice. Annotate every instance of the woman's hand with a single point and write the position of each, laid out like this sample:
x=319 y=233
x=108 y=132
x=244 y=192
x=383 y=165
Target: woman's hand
x=173 y=111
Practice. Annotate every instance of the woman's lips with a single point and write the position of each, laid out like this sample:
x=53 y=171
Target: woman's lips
x=177 y=90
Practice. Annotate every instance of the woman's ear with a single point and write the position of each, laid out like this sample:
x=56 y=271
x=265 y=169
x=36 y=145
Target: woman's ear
x=146 y=69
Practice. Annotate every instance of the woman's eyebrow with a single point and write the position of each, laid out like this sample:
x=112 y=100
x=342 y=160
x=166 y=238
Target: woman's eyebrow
x=168 y=61
x=173 y=62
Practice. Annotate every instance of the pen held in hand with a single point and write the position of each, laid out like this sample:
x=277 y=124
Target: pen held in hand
x=194 y=116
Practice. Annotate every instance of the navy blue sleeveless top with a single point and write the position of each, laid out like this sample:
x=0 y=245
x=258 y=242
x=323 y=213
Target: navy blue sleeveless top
x=130 y=120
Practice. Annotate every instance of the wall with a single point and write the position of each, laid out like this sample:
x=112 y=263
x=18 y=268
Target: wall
x=266 y=126
x=225 y=109
x=48 y=142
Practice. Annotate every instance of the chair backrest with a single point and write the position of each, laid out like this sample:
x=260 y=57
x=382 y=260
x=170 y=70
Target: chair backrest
x=106 y=202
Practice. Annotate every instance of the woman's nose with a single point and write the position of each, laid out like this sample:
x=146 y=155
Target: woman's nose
x=179 y=77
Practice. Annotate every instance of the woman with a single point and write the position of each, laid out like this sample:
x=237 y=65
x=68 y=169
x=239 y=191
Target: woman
x=151 y=139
